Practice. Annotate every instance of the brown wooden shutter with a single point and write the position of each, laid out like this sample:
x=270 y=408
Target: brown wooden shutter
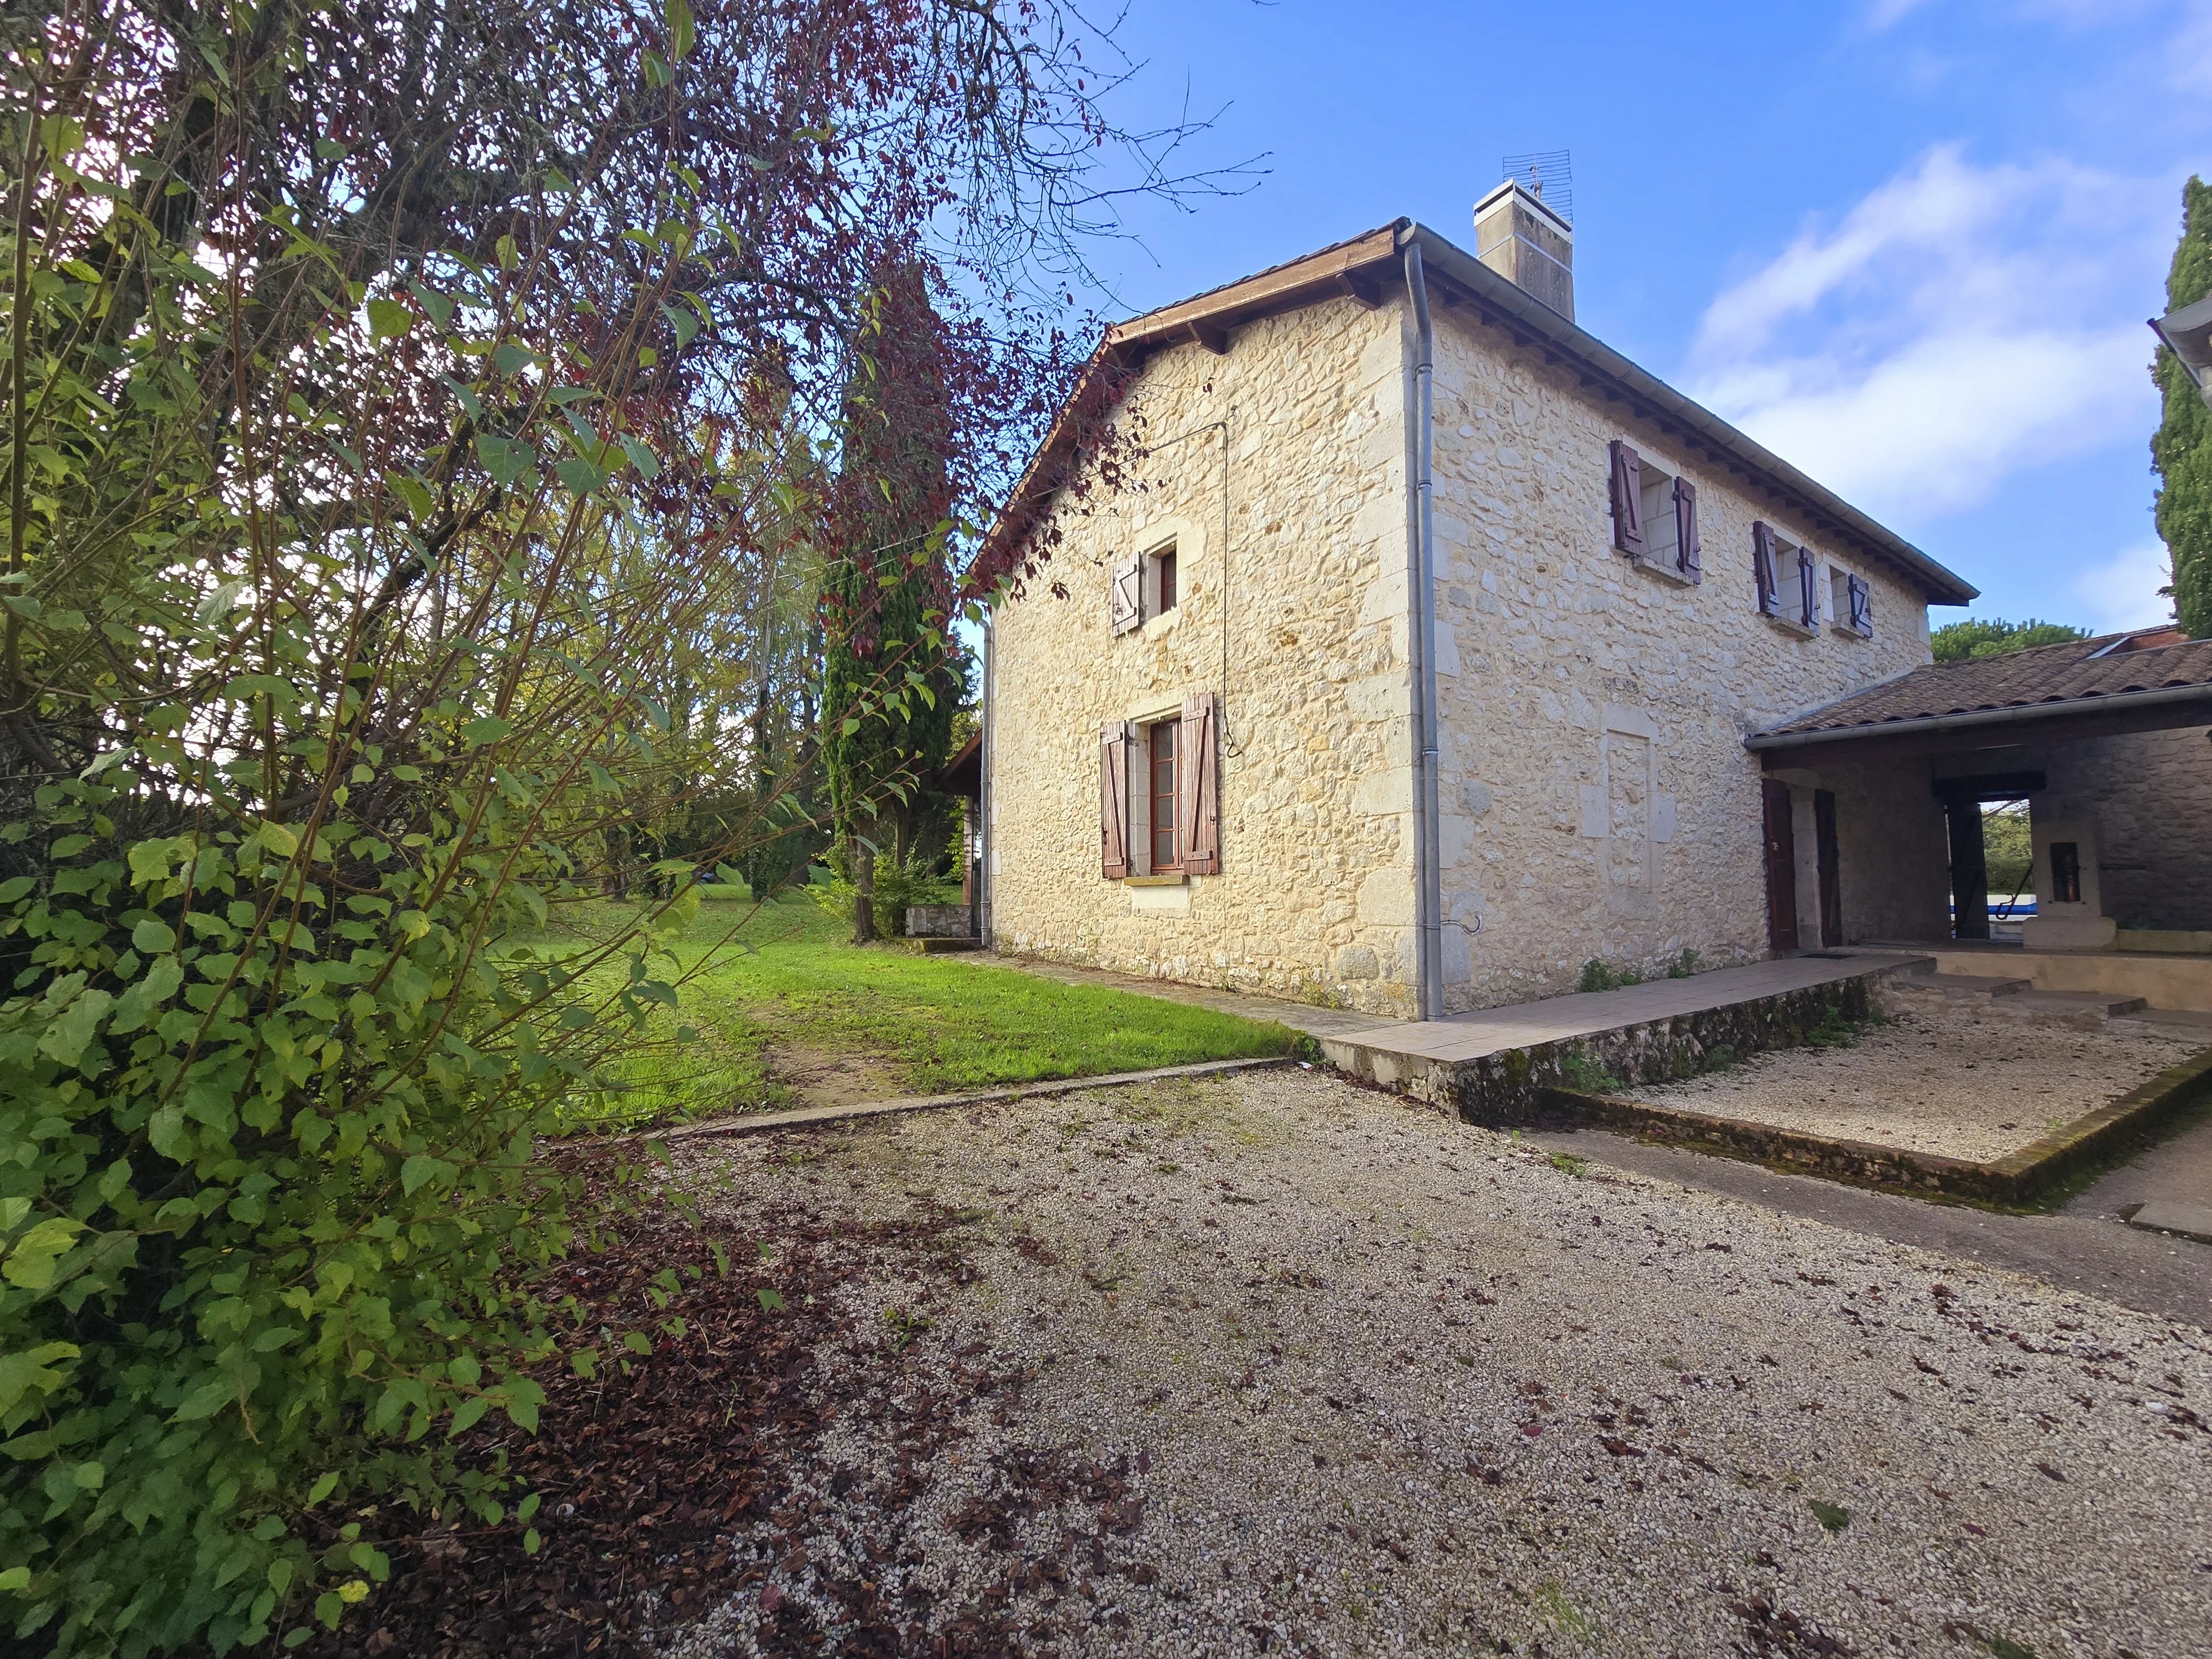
x=1199 y=785
x=1114 y=800
x=1687 y=559
x=1862 y=608
x=1627 y=500
x=1763 y=571
x=1808 y=588
x=1126 y=598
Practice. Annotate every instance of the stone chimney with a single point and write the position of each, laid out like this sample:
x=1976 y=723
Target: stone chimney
x=1529 y=244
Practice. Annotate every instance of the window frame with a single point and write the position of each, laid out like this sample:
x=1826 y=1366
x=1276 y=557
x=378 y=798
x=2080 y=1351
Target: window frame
x=1174 y=830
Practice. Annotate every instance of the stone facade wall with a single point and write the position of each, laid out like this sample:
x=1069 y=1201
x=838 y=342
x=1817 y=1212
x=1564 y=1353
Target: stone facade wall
x=1314 y=890
x=1598 y=801
x=2147 y=798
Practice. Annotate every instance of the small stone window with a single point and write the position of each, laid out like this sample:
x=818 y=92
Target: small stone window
x=1144 y=587
x=1785 y=577
x=1160 y=588
x=1850 y=604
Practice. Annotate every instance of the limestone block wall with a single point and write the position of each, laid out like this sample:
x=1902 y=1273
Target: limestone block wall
x=1307 y=650
x=1894 y=850
x=1597 y=798
x=2149 y=799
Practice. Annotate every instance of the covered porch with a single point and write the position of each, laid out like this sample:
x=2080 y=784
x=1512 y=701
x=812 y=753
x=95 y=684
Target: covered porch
x=1878 y=818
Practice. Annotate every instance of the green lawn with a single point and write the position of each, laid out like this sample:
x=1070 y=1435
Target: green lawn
x=789 y=1014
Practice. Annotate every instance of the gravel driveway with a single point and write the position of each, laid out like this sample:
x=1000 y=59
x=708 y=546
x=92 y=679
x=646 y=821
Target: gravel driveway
x=1275 y=1364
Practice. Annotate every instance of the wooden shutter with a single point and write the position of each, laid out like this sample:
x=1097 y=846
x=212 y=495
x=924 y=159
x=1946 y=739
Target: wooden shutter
x=1808 y=588
x=1197 y=786
x=1627 y=500
x=1125 y=603
x=1686 y=557
x=1114 y=800
x=1763 y=571
x=1862 y=608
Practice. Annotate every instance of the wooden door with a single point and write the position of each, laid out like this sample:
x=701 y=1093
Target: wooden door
x=1832 y=883
x=1781 y=867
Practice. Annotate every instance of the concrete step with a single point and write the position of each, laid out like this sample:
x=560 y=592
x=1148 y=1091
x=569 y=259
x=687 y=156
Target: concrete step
x=1966 y=985
x=2180 y=1022
x=2103 y=1005
x=2169 y=1215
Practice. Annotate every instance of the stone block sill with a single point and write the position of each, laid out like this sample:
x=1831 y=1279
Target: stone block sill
x=1665 y=572
x=1174 y=878
x=1796 y=628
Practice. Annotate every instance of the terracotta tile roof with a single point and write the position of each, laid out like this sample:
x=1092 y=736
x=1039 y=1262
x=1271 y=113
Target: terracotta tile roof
x=1364 y=266
x=2077 y=671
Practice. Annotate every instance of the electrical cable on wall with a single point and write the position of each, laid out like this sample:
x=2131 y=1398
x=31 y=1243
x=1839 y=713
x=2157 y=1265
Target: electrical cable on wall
x=1228 y=748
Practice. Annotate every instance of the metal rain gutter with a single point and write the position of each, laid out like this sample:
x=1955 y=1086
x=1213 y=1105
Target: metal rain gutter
x=1428 y=892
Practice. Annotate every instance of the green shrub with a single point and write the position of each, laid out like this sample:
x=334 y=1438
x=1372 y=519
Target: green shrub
x=1587 y=1075
x=1597 y=976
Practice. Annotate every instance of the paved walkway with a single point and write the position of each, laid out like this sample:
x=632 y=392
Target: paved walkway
x=2158 y=1274
x=1586 y=1013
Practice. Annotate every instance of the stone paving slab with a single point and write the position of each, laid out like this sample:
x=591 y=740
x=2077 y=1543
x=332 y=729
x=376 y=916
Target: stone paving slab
x=2165 y=1216
x=1587 y=1013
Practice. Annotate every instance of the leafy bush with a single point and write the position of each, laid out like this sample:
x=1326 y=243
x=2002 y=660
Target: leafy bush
x=1586 y=1074
x=1598 y=976
x=896 y=886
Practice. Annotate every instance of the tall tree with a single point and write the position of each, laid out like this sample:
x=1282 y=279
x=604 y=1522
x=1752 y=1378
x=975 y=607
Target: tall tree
x=2181 y=451
x=376 y=551
x=889 y=685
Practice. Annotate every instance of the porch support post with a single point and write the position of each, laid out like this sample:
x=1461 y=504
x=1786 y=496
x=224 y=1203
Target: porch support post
x=1970 y=870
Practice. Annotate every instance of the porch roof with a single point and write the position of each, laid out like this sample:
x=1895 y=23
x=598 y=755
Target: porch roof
x=2144 y=681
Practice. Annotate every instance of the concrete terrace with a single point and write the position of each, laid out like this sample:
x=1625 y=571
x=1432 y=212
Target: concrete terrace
x=1479 y=1035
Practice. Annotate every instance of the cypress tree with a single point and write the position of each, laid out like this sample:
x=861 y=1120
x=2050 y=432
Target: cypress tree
x=889 y=688
x=2181 y=450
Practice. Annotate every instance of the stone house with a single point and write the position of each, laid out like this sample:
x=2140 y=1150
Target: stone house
x=1228 y=741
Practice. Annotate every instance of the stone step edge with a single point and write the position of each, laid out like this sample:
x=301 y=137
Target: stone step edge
x=753 y=1123
x=2018 y=1178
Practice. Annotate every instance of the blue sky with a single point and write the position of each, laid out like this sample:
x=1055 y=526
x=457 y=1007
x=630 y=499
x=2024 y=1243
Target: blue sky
x=1911 y=245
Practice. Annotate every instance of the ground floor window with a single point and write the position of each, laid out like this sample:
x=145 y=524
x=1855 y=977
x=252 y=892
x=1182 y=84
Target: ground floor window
x=1162 y=792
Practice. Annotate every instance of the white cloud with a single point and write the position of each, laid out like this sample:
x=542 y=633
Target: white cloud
x=2123 y=593
x=1881 y=13
x=1960 y=324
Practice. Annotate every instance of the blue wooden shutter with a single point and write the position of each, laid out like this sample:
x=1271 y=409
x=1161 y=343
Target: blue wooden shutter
x=1862 y=608
x=1808 y=588
x=1763 y=571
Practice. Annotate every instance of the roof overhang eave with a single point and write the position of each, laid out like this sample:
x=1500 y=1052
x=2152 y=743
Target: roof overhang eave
x=2021 y=714
x=1940 y=585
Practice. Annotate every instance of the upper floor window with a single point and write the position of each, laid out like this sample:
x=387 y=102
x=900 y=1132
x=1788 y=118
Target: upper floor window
x=1850 y=604
x=1785 y=577
x=1654 y=516
x=1143 y=587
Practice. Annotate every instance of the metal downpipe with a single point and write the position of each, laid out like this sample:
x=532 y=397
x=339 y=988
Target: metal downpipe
x=1428 y=899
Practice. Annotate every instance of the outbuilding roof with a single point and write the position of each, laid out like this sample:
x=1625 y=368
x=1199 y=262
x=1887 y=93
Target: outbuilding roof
x=1362 y=268
x=2111 y=671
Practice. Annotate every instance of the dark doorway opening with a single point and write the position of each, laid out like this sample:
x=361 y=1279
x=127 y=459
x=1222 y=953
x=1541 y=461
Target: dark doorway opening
x=1781 y=866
